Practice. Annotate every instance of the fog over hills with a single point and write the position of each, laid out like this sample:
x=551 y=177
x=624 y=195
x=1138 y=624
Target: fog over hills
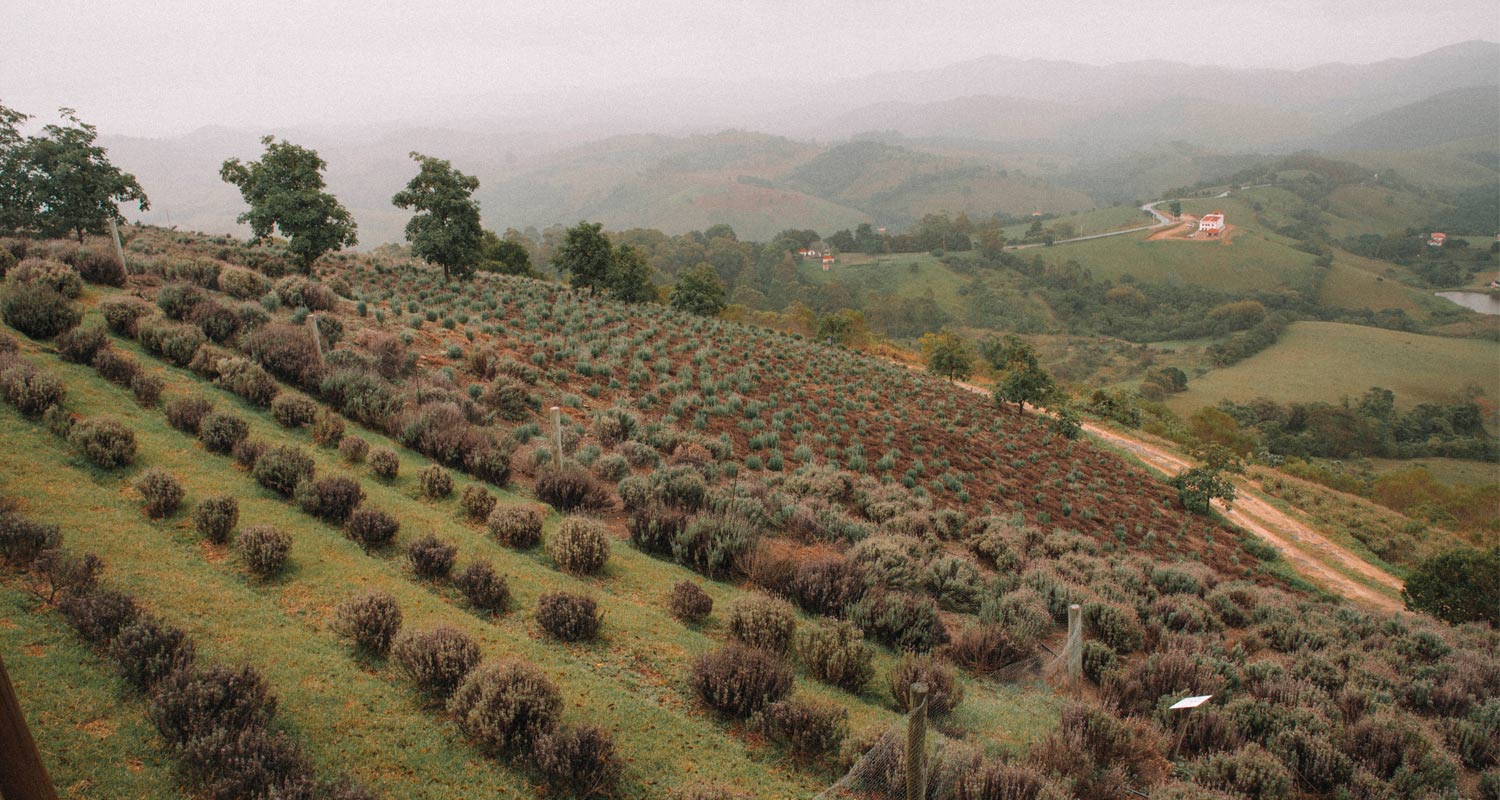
x=979 y=136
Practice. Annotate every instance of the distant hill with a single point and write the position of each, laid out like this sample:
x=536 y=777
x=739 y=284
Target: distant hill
x=1464 y=113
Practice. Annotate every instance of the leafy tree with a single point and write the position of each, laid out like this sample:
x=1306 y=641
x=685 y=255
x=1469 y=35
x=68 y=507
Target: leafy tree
x=1176 y=208
x=699 y=291
x=1458 y=586
x=630 y=276
x=506 y=256
x=1067 y=422
x=445 y=230
x=61 y=182
x=586 y=255
x=1022 y=379
x=843 y=327
x=1198 y=486
x=947 y=355
x=285 y=192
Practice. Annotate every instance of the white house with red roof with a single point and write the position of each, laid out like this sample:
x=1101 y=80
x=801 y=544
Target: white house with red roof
x=1211 y=224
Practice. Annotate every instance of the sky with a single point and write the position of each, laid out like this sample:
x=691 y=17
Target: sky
x=169 y=67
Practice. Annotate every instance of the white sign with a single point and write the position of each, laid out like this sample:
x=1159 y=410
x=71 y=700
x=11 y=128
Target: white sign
x=1190 y=702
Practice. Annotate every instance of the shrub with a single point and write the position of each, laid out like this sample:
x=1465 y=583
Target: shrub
x=101 y=267
x=477 y=502
x=23 y=539
x=762 y=621
x=81 y=345
x=436 y=659
x=371 y=528
x=611 y=467
x=568 y=617
x=689 y=603
x=1250 y=772
x=944 y=693
x=288 y=352
x=53 y=274
x=177 y=299
x=191 y=704
x=354 y=449
x=264 y=549
x=509 y=399
x=171 y=341
x=186 y=413
x=293 y=410
x=148 y=650
x=220 y=431
x=996 y=780
x=954 y=582
x=836 y=653
x=328 y=429
x=1116 y=625
x=122 y=314
x=99 y=615
x=435 y=481
x=486 y=589
x=370 y=620
x=808 y=729
x=579 y=546
x=1098 y=661
x=431 y=557
x=116 y=367
x=1316 y=763
x=901 y=621
x=736 y=681
x=385 y=464
x=215 y=517
x=506 y=707
x=713 y=545
x=65 y=574
x=161 y=491
x=580 y=762
x=329 y=499
x=571 y=488
x=985 y=649
x=281 y=468
x=247 y=380
x=37 y=311
x=249 y=451
x=147 y=389
x=489 y=464
x=243 y=284
x=31 y=390
x=1457 y=586
x=1138 y=688
x=654 y=527
x=517 y=526
x=1022 y=612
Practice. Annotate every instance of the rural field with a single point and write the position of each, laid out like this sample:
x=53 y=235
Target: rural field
x=747 y=547
x=1330 y=361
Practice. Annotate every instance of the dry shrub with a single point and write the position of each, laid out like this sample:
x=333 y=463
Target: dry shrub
x=220 y=431
x=186 y=413
x=808 y=729
x=506 y=707
x=486 y=589
x=477 y=502
x=385 y=464
x=264 y=549
x=30 y=390
x=147 y=389
x=1249 y=772
x=1138 y=688
x=99 y=615
x=828 y=585
x=330 y=499
x=370 y=620
x=901 y=621
x=579 y=546
x=371 y=528
x=654 y=527
x=435 y=481
x=81 y=345
x=579 y=761
x=944 y=692
x=161 y=492
x=215 y=517
x=23 y=539
x=1102 y=754
x=518 y=526
x=762 y=621
x=736 y=681
x=713 y=545
x=293 y=410
x=986 y=649
x=431 y=557
x=689 y=603
x=116 y=367
x=354 y=449
x=148 y=650
x=836 y=653
x=572 y=488
x=192 y=704
x=568 y=617
x=437 y=659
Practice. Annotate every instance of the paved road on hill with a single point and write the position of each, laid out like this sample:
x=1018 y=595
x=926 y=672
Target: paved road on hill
x=1162 y=220
x=1319 y=559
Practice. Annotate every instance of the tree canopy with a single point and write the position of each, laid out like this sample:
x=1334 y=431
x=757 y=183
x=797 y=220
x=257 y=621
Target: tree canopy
x=504 y=255
x=60 y=183
x=1458 y=586
x=699 y=291
x=947 y=354
x=446 y=229
x=630 y=276
x=586 y=256
x=285 y=192
x=1021 y=378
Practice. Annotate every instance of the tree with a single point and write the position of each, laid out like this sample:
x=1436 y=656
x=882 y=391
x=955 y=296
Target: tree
x=445 y=230
x=1021 y=377
x=699 y=291
x=1198 y=486
x=586 y=255
x=1176 y=207
x=506 y=256
x=61 y=182
x=285 y=192
x=630 y=276
x=1458 y=586
x=844 y=327
x=947 y=355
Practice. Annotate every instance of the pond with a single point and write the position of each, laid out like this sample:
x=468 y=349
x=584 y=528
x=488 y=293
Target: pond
x=1483 y=302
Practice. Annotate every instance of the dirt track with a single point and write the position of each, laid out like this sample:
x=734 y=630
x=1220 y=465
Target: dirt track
x=1311 y=553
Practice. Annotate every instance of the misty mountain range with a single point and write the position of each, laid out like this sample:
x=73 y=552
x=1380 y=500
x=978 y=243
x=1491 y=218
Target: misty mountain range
x=991 y=134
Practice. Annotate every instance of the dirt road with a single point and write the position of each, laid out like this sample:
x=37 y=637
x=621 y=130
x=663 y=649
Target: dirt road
x=1313 y=555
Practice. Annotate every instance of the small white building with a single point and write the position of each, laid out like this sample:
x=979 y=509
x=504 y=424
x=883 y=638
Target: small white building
x=1211 y=224
x=1437 y=240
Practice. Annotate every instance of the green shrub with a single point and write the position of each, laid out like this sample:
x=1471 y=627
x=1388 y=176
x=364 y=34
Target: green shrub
x=504 y=708
x=517 y=526
x=827 y=586
x=1458 y=586
x=220 y=431
x=123 y=314
x=944 y=692
x=431 y=557
x=161 y=491
x=1250 y=772
x=384 y=463
x=437 y=659
x=713 y=545
x=836 y=653
x=116 y=367
x=580 y=762
x=147 y=389
x=329 y=499
x=81 y=345
x=99 y=615
x=477 y=502
x=486 y=590
x=215 y=517
x=37 y=311
x=901 y=621
x=435 y=481
x=689 y=603
x=736 y=681
x=264 y=549
x=568 y=617
x=186 y=413
x=1022 y=611
x=354 y=449
x=148 y=650
x=1116 y=625
x=1098 y=661
x=246 y=379
x=30 y=390
x=654 y=527
x=808 y=729
x=174 y=342
x=954 y=582
x=106 y=442
x=328 y=429
x=23 y=539
x=579 y=546
x=762 y=621
x=371 y=528
x=371 y=620
x=281 y=468
x=571 y=488
x=293 y=410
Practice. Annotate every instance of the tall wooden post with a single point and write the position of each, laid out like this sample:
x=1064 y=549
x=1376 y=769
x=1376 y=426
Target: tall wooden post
x=22 y=774
x=557 y=451
x=119 y=246
x=1075 y=642
x=916 y=744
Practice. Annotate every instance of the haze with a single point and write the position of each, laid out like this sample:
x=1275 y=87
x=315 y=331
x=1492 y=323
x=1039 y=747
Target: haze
x=165 y=68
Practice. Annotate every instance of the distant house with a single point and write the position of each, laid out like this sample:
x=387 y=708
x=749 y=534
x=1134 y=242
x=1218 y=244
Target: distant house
x=1211 y=224
x=809 y=253
x=1437 y=240
x=827 y=261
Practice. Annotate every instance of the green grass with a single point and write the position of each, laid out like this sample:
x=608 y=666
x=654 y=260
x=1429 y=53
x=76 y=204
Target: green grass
x=361 y=716
x=93 y=736
x=1452 y=471
x=893 y=274
x=1355 y=283
x=1251 y=261
x=1099 y=220
x=1329 y=361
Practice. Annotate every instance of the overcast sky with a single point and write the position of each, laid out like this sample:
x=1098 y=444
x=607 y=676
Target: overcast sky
x=164 y=67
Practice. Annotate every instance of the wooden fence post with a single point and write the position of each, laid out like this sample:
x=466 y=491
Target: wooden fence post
x=557 y=451
x=1075 y=642
x=22 y=774
x=916 y=744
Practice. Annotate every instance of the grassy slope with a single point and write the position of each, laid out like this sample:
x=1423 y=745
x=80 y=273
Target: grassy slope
x=1328 y=361
x=1090 y=222
x=364 y=716
x=1248 y=262
x=892 y=274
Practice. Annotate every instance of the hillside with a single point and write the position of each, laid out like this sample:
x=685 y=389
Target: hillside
x=1458 y=114
x=740 y=460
